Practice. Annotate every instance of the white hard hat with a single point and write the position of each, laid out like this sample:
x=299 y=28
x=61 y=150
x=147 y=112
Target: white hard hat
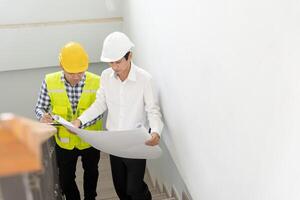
x=115 y=46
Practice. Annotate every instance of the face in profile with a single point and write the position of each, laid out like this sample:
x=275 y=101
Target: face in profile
x=121 y=66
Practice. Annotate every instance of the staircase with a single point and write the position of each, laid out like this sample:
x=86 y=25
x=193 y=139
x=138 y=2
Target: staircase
x=105 y=188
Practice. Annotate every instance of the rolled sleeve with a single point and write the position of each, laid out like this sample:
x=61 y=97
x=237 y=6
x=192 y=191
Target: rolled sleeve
x=152 y=108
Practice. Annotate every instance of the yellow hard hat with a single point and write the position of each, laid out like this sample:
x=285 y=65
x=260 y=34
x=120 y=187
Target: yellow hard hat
x=73 y=58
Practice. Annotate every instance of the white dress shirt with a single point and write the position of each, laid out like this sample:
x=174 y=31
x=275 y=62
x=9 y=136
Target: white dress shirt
x=129 y=103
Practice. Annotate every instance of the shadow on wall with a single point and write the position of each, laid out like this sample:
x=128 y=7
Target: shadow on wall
x=164 y=172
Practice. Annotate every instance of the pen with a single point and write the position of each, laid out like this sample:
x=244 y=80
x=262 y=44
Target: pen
x=54 y=118
x=55 y=124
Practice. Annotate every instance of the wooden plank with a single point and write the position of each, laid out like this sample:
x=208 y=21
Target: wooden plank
x=20 y=144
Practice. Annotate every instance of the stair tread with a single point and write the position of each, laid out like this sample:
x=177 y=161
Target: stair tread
x=105 y=188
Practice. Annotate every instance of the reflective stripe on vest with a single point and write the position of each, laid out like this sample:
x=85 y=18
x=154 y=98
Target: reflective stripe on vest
x=61 y=105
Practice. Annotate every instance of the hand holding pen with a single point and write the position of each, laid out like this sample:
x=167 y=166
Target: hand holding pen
x=46 y=118
x=49 y=118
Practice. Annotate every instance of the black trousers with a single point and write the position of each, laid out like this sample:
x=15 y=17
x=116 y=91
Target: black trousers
x=128 y=178
x=67 y=160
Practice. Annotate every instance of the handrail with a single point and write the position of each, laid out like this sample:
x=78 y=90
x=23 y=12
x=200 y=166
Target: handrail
x=20 y=144
x=61 y=23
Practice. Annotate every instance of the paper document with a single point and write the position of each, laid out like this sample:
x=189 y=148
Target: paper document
x=127 y=144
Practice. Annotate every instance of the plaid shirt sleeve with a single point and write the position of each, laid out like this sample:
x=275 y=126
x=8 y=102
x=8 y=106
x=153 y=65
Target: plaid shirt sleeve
x=91 y=122
x=43 y=102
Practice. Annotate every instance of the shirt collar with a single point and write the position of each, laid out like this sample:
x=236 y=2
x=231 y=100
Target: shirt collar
x=131 y=75
x=81 y=82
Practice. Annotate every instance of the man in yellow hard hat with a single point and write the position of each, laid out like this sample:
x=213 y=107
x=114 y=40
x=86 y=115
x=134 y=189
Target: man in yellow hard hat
x=128 y=95
x=68 y=93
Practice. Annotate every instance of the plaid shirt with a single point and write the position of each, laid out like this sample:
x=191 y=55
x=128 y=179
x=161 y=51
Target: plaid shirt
x=74 y=93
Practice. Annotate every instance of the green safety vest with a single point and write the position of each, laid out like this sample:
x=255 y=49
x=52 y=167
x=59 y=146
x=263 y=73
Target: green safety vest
x=61 y=105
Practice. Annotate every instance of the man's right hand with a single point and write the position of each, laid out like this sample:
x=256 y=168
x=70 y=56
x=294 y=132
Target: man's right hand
x=46 y=118
x=76 y=123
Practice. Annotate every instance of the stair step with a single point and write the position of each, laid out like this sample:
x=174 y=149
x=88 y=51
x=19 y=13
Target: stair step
x=159 y=196
x=112 y=198
x=105 y=187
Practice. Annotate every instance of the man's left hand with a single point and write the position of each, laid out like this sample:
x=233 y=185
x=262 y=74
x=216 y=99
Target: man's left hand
x=154 y=140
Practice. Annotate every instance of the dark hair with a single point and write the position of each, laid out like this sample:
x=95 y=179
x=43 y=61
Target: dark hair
x=127 y=55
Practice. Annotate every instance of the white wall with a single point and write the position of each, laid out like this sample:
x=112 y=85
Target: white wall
x=228 y=77
x=33 y=31
x=20 y=88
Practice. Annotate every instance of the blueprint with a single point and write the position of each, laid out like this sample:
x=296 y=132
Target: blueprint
x=127 y=144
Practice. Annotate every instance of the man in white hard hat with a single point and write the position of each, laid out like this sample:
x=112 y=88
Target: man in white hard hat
x=127 y=93
x=68 y=93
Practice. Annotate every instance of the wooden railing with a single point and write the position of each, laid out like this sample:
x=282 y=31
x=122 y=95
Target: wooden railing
x=20 y=144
